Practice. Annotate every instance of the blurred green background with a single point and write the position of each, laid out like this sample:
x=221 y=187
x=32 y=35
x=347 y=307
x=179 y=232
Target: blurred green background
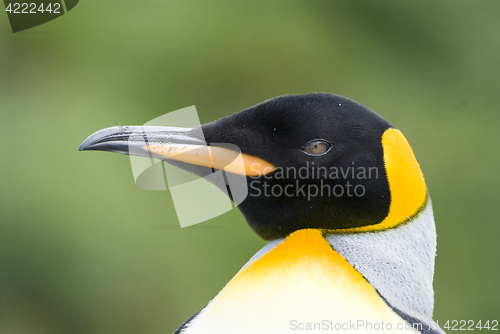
x=83 y=250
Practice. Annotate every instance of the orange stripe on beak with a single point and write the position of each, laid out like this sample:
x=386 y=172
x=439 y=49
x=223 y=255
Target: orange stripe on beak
x=213 y=157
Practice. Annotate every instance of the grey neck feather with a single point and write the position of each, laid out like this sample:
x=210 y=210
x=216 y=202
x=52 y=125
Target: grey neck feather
x=399 y=263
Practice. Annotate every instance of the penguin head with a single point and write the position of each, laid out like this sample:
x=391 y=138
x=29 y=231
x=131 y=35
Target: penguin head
x=311 y=161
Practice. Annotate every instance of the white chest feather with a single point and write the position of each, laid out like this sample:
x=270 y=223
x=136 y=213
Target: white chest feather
x=302 y=285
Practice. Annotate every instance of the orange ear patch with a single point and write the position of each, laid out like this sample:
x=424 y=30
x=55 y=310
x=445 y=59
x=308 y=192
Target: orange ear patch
x=406 y=182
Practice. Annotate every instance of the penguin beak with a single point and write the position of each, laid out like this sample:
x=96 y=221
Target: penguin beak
x=179 y=144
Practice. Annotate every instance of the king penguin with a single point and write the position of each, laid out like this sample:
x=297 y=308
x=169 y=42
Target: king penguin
x=339 y=195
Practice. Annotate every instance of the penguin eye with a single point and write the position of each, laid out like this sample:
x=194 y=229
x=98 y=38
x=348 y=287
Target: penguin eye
x=317 y=147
